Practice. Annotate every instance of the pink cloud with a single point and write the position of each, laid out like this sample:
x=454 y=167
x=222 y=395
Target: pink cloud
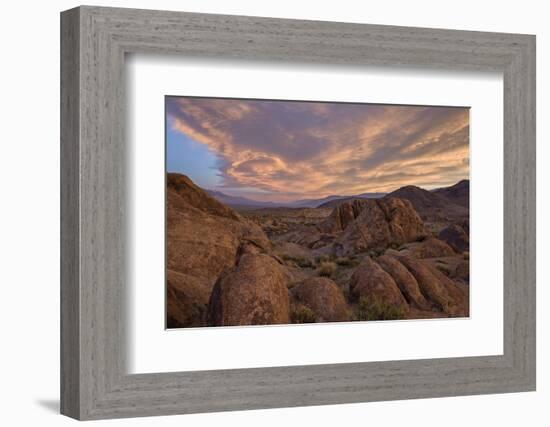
x=314 y=149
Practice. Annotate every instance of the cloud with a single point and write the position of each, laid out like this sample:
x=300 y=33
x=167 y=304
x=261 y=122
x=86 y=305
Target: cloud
x=312 y=149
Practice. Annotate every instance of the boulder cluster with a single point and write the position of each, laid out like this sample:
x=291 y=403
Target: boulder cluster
x=222 y=269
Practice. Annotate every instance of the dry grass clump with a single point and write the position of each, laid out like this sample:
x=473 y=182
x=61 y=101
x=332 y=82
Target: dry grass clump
x=373 y=309
x=345 y=261
x=326 y=268
x=300 y=261
x=324 y=258
x=394 y=245
x=302 y=314
x=375 y=253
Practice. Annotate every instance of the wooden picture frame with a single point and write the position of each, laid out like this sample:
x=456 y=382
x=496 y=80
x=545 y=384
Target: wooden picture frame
x=94 y=382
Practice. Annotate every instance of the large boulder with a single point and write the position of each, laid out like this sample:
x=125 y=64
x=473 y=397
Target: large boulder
x=462 y=272
x=427 y=248
x=381 y=222
x=203 y=237
x=186 y=300
x=437 y=288
x=294 y=255
x=372 y=281
x=456 y=236
x=405 y=281
x=323 y=297
x=198 y=244
x=254 y=292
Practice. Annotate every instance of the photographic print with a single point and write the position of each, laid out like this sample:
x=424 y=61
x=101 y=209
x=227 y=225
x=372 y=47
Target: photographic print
x=292 y=212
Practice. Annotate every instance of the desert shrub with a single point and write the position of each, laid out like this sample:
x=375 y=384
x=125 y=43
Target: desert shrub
x=300 y=261
x=342 y=277
x=326 y=268
x=375 y=253
x=324 y=258
x=371 y=308
x=302 y=314
x=306 y=263
x=347 y=261
x=394 y=245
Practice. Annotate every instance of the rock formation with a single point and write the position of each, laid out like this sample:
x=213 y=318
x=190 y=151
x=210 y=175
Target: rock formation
x=456 y=236
x=371 y=280
x=405 y=281
x=254 y=292
x=323 y=297
x=343 y=215
x=202 y=240
x=382 y=222
x=427 y=248
x=437 y=287
x=186 y=299
x=223 y=269
x=462 y=272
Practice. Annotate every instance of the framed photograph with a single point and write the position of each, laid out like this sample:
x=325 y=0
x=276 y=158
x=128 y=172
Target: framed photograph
x=262 y=213
x=292 y=212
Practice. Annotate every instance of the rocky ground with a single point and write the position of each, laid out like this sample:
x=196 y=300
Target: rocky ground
x=403 y=256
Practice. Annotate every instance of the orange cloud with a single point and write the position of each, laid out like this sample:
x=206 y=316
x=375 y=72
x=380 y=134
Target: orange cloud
x=311 y=149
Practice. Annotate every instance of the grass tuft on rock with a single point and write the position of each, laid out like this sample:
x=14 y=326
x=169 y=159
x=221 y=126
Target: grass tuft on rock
x=371 y=308
x=302 y=314
x=326 y=269
x=300 y=261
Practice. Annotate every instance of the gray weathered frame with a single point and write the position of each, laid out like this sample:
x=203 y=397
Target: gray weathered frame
x=94 y=41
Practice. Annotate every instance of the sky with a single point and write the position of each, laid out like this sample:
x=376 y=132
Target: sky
x=290 y=150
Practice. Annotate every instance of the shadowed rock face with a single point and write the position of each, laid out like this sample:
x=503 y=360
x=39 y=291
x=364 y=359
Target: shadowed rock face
x=436 y=287
x=254 y=292
x=197 y=197
x=381 y=223
x=462 y=272
x=458 y=193
x=456 y=236
x=343 y=215
x=323 y=297
x=202 y=240
x=186 y=299
x=428 y=248
x=371 y=280
x=405 y=281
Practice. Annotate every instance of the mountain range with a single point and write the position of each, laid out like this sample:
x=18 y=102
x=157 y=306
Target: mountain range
x=244 y=202
x=447 y=203
x=452 y=201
